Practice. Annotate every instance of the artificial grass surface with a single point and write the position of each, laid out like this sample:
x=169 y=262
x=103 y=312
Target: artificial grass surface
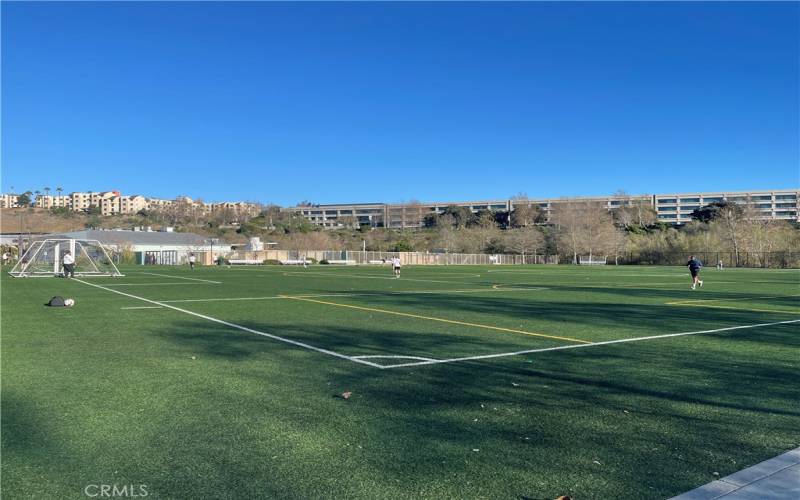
x=100 y=394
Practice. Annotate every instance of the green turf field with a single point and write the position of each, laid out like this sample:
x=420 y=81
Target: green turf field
x=467 y=382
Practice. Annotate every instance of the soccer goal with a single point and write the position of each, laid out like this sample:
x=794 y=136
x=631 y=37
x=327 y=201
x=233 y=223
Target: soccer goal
x=591 y=260
x=46 y=257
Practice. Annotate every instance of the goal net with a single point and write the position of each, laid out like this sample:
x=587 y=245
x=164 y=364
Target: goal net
x=46 y=258
x=591 y=260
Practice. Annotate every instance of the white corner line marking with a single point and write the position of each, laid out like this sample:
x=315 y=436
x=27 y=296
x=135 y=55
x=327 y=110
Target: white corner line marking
x=393 y=356
x=238 y=327
x=581 y=346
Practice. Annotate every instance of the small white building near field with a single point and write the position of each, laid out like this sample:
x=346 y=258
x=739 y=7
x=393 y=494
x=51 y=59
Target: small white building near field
x=154 y=247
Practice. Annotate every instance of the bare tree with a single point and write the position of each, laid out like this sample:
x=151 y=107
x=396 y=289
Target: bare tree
x=733 y=218
x=528 y=240
x=447 y=238
x=634 y=212
x=411 y=214
x=348 y=221
x=524 y=213
x=583 y=226
x=619 y=243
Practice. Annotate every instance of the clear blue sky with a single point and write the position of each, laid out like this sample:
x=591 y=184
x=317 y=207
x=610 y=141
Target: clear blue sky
x=347 y=102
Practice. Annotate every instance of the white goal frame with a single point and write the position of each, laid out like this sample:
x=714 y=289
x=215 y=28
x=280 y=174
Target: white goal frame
x=25 y=267
x=592 y=260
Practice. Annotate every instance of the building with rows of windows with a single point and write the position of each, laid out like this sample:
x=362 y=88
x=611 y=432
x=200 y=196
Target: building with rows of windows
x=670 y=208
x=114 y=203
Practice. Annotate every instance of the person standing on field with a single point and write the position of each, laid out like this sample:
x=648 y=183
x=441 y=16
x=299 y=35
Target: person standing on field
x=68 y=262
x=192 y=260
x=694 y=266
x=396 y=266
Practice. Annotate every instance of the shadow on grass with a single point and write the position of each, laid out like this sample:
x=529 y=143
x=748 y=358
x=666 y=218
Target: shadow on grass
x=690 y=407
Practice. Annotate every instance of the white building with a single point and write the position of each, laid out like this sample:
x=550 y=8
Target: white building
x=154 y=247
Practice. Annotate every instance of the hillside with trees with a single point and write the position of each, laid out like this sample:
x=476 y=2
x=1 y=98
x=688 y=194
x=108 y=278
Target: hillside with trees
x=628 y=234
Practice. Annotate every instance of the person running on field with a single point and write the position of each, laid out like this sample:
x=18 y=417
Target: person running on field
x=68 y=262
x=396 y=266
x=192 y=260
x=694 y=266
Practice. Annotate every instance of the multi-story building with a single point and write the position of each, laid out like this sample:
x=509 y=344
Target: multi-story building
x=9 y=201
x=777 y=204
x=157 y=203
x=53 y=201
x=132 y=204
x=670 y=208
x=112 y=203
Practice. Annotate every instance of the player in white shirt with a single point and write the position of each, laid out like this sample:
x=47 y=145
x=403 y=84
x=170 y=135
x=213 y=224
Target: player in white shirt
x=396 y=266
x=192 y=260
x=68 y=262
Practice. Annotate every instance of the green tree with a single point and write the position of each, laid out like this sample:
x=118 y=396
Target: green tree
x=713 y=210
x=484 y=219
x=461 y=215
x=24 y=200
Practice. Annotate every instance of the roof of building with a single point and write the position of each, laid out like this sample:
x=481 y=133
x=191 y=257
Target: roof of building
x=115 y=237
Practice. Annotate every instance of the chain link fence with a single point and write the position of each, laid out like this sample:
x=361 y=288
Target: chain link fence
x=406 y=258
x=776 y=260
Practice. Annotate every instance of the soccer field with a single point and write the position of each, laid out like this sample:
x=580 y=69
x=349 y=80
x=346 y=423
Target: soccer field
x=467 y=382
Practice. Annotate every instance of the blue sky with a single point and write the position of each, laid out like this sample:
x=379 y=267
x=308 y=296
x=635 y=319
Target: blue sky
x=347 y=102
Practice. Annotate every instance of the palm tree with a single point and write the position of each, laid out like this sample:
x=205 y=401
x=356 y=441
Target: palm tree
x=38 y=193
x=59 y=189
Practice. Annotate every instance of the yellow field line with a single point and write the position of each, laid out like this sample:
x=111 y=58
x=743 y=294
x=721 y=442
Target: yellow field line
x=684 y=302
x=431 y=318
x=735 y=308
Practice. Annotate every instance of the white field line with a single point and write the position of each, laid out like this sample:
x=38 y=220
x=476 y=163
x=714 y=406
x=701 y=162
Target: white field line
x=395 y=356
x=356 y=294
x=365 y=276
x=238 y=327
x=698 y=301
x=181 y=277
x=583 y=346
x=142 y=307
x=151 y=284
x=600 y=274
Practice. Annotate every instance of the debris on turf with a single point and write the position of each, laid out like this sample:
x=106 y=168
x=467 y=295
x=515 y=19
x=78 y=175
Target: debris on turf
x=346 y=395
x=193 y=357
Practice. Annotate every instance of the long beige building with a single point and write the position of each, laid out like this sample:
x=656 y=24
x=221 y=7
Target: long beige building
x=671 y=208
x=114 y=203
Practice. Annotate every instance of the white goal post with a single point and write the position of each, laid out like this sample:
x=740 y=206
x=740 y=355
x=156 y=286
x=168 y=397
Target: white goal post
x=44 y=258
x=591 y=260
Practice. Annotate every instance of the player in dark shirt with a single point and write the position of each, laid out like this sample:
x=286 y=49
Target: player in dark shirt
x=694 y=266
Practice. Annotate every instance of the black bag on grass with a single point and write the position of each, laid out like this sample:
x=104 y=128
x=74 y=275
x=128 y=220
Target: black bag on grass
x=57 y=302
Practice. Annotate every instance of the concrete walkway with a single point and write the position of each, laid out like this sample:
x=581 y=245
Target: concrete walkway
x=774 y=479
